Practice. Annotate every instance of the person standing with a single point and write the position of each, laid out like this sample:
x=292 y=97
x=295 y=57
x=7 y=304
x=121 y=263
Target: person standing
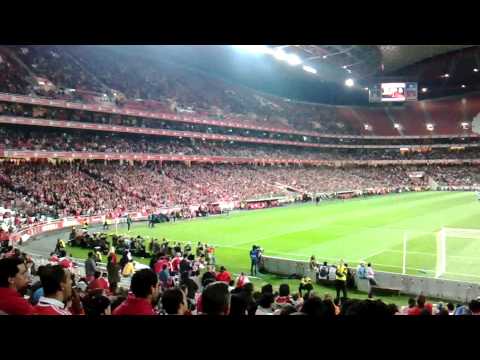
x=113 y=271
x=370 y=274
x=90 y=267
x=253 y=260
x=129 y=222
x=341 y=280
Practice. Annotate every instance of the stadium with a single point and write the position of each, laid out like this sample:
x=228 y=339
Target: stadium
x=321 y=180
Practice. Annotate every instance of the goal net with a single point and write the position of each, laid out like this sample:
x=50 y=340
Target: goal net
x=458 y=253
x=450 y=253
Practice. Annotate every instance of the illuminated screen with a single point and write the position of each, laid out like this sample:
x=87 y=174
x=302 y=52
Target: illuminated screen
x=393 y=91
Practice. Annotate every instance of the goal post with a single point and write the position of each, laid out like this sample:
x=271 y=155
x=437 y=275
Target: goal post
x=463 y=242
x=445 y=253
x=423 y=253
x=441 y=259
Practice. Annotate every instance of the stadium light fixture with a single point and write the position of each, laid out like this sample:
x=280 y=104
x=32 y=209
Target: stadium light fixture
x=367 y=127
x=430 y=127
x=293 y=60
x=464 y=125
x=424 y=89
x=279 y=54
x=349 y=82
x=309 y=69
x=464 y=86
x=396 y=126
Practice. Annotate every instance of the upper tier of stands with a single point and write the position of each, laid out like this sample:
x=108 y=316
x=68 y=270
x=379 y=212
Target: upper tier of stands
x=100 y=75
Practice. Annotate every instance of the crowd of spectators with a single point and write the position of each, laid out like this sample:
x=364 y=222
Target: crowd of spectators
x=184 y=282
x=122 y=78
x=40 y=139
x=36 y=190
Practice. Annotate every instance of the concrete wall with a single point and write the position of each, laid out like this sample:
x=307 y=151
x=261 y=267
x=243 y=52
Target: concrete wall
x=407 y=284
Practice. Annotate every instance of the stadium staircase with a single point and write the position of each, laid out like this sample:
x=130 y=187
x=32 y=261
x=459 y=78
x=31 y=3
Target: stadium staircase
x=13 y=56
x=288 y=188
x=78 y=62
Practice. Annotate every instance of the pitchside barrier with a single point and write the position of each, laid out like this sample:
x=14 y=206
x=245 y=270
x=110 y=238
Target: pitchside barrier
x=404 y=284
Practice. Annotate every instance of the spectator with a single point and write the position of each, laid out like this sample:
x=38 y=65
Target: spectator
x=164 y=277
x=13 y=280
x=421 y=305
x=144 y=293
x=314 y=306
x=97 y=305
x=191 y=286
x=242 y=280
x=174 y=302
x=287 y=310
x=284 y=295
x=113 y=271
x=129 y=269
x=410 y=308
x=99 y=284
x=450 y=308
x=370 y=274
x=224 y=275
x=216 y=299
x=209 y=275
x=238 y=305
x=474 y=306
x=265 y=304
x=90 y=267
x=58 y=292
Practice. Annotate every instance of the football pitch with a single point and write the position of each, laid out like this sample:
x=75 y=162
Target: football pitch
x=369 y=229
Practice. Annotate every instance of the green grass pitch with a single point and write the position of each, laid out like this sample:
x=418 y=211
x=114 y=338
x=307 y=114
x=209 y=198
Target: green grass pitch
x=370 y=229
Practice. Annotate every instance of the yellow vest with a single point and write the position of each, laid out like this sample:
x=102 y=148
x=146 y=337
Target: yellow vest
x=343 y=270
x=129 y=269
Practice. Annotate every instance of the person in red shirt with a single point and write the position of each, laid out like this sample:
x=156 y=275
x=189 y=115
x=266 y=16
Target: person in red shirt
x=100 y=284
x=143 y=293
x=242 y=280
x=224 y=275
x=176 y=263
x=57 y=293
x=66 y=263
x=13 y=280
x=421 y=305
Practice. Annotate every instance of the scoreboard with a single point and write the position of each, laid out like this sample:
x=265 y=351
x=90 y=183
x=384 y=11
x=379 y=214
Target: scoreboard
x=393 y=92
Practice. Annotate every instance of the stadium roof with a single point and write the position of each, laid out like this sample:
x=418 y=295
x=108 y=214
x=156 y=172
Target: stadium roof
x=322 y=72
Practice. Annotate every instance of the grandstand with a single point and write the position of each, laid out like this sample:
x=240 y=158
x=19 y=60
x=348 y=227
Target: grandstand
x=93 y=135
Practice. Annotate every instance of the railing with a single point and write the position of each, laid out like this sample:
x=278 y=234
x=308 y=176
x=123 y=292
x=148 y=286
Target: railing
x=88 y=155
x=15 y=120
